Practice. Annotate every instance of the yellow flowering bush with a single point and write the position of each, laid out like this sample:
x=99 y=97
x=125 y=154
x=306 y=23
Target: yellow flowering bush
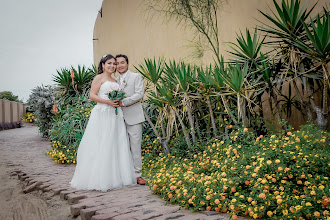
x=62 y=154
x=273 y=177
x=29 y=117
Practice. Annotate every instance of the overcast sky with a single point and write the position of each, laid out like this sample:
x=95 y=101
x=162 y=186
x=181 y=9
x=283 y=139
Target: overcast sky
x=37 y=37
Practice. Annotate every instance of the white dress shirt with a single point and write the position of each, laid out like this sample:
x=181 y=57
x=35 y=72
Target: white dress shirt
x=122 y=77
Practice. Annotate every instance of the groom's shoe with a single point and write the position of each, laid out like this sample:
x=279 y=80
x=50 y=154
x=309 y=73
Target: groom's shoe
x=141 y=181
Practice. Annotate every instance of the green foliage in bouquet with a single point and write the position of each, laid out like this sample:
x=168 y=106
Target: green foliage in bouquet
x=116 y=95
x=283 y=176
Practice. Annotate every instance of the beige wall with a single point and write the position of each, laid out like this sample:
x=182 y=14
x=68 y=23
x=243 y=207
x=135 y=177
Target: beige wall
x=11 y=111
x=123 y=28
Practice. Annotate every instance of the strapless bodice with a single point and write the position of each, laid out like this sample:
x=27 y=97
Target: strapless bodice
x=107 y=87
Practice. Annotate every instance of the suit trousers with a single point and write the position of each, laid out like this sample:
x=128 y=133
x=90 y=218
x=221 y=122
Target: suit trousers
x=135 y=139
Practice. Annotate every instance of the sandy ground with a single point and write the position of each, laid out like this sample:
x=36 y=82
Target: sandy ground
x=16 y=205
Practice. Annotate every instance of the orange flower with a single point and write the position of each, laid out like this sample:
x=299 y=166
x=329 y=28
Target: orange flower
x=289 y=133
x=208 y=208
x=297 y=140
x=55 y=110
x=155 y=187
x=170 y=196
x=217 y=201
x=72 y=74
x=262 y=195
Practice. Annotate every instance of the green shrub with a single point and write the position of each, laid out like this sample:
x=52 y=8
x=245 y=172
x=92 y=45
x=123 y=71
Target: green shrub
x=68 y=128
x=41 y=102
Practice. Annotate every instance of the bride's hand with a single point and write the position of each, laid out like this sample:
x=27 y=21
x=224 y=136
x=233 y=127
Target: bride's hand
x=113 y=103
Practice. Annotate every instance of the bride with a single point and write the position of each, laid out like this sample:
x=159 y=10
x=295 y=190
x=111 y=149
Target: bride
x=103 y=157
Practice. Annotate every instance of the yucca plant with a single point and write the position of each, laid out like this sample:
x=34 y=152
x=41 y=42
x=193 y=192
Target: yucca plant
x=168 y=97
x=152 y=71
x=234 y=76
x=247 y=48
x=286 y=26
x=220 y=86
x=317 y=49
x=206 y=87
x=270 y=74
x=290 y=29
x=287 y=21
x=183 y=75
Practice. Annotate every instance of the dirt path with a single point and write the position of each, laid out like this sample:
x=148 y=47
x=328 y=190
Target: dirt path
x=16 y=205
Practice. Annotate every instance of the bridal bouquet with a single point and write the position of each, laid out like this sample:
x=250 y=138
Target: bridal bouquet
x=116 y=94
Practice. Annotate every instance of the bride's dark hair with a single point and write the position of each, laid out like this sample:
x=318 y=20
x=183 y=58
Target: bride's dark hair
x=102 y=61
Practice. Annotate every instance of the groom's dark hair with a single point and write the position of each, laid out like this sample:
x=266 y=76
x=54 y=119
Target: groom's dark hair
x=122 y=55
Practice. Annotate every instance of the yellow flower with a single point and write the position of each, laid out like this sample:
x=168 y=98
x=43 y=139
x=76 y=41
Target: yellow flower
x=285 y=212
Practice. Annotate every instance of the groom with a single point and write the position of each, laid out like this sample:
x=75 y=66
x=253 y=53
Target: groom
x=132 y=108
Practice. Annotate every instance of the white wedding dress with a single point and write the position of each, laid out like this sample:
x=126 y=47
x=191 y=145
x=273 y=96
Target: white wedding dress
x=103 y=157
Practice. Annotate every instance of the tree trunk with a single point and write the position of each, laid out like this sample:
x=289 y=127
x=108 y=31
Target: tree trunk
x=279 y=111
x=321 y=119
x=163 y=143
x=224 y=102
x=191 y=119
x=165 y=138
x=215 y=131
x=241 y=109
x=184 y=130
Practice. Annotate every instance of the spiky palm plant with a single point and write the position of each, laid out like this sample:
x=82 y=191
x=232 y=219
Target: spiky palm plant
x=152 y=71
x=317 y=48
x=247 y=48
x=182 y=76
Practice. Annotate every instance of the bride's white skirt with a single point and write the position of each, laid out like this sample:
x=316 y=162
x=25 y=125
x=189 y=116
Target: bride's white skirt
x=103 y=157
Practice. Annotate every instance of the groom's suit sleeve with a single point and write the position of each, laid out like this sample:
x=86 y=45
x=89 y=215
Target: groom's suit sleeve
x=138 y=92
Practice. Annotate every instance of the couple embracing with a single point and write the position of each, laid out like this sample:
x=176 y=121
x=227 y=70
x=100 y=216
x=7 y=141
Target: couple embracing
x=109 y=154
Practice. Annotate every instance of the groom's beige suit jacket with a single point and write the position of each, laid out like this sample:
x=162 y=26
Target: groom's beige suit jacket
x=134 y=89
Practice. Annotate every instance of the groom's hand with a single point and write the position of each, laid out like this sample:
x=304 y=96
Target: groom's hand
x=113 y=103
